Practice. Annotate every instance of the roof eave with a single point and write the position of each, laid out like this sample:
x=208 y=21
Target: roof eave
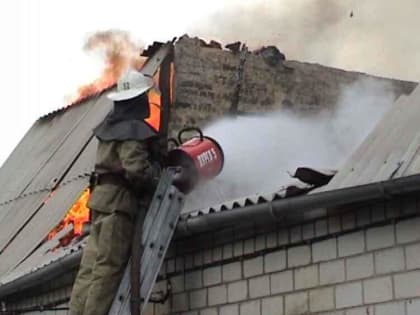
x=300 y=208
x=294 y=209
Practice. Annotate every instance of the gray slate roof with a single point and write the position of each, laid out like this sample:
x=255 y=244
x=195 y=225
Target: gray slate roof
x=391 y=150
x=57 y=152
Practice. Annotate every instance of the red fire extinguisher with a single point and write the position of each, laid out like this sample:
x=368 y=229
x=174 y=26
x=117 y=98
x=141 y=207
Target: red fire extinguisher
x=200 y=157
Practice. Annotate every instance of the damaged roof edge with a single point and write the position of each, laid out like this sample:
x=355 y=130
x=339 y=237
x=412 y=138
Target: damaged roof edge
x=290 y=209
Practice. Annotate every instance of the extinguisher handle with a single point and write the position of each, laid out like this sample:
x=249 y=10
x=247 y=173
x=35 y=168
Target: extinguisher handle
x=174 y=142
x=189 y=129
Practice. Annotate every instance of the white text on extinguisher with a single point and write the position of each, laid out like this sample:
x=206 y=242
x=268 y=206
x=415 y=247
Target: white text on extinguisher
x=206 y=157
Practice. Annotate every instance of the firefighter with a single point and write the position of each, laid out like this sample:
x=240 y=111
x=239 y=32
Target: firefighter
x=123 y=185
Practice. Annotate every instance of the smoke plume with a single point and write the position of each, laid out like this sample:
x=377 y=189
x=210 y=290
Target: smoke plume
x=119 y=52
x=370 y=36
x=260 y=152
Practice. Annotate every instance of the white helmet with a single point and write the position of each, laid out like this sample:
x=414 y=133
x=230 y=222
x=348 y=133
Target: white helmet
x=131 y=84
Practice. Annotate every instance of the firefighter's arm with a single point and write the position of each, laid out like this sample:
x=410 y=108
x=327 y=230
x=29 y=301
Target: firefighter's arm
x=135 y=161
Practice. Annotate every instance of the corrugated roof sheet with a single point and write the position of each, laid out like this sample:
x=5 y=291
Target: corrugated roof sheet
x=44 y=256
x=63 y=139
x=44 y=220
x=63 y=152
x=391 y=150
x=284 y=192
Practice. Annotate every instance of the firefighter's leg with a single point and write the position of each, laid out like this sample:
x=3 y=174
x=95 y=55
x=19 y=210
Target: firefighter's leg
x=84 y=276
x=114 y=245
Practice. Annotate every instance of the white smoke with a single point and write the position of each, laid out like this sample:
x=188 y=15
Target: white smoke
x=261 y=151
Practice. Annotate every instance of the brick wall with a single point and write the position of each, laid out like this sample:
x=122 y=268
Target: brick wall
x=206 y=77
x=364 y=261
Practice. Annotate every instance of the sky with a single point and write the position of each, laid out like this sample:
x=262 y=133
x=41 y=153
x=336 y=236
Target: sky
x=42 y=59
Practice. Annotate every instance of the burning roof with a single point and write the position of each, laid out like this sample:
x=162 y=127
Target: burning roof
x=57 y=153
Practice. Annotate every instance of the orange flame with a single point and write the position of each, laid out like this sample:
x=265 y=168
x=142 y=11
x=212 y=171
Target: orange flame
x=155 y=101
x=120 y=53
x=77 y=215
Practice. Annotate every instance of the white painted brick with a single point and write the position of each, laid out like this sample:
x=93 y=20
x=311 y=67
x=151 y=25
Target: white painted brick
x=378 y=213
x=179 y=264
x=349 y=221
x=198 y=298
x=272 y=305
x=412 y=253
x=407 y=284
x=297 y=303
x=193 y=280
x=232 y=271
x=413 y=307
x=272 y=240
x=229 y=310
x=349 y=294
x=351 y=244
x=359 y=267
x=321 y=299
x=249 y=246
x=217 y=254
x=212 y=276
x=308 y=231
x=162 y=272
x=250 y=308
x=298 y=256
x=409 y=205
x=259 y=286
x=364 y=310
x=237 y=291
x=363 y=217
x=208 y=256
x=177 y=283
x=149 y=311
x=306 y=277
x=207 y=311
x=332 y=313
x=296 y=234
x=217 y=295
x=324 y=250
x=162 y=309
x=227 y=251
x=260 y=242
x=238 y=249
x=392 y=209
x=170 y=265
x=281 y=282
x=253 y=266
x=283 y=237
x=275 y=261
x=332 y=272
x=377 y=290
x=321 y=228
x=334 y=224
x=179 y=302
x=408 y=230
x=189 y=313
x=189 y=261
x=198 y=259
x=393 y=308
x=380 y=237
x=389 y=260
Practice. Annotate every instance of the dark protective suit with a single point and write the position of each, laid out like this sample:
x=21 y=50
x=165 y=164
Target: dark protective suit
x=125 y=184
